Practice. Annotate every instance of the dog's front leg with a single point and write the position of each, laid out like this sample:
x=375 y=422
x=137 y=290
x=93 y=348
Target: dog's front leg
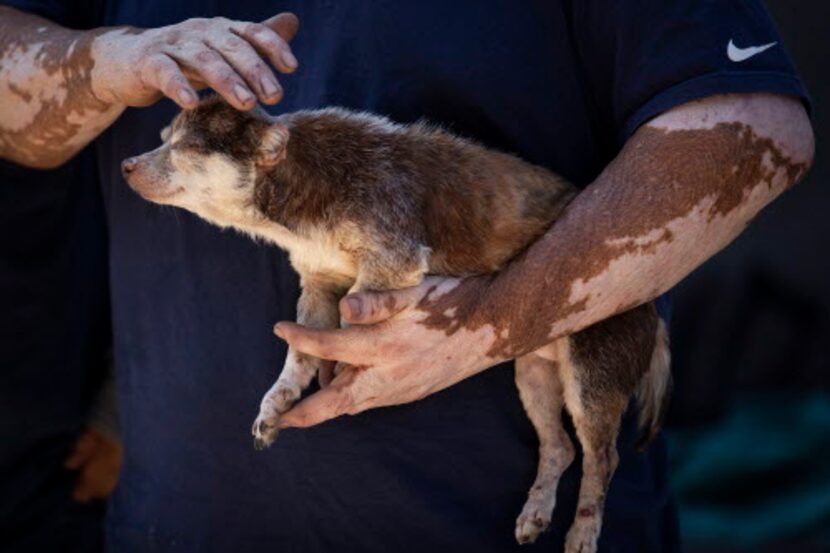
x=316 y=308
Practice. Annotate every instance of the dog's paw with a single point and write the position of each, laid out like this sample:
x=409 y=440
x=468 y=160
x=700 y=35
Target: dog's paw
x=278 y=400
x=530 y=524
x=582 y=537
x=265 y=431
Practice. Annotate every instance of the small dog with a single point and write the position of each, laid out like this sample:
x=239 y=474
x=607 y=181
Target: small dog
x=362 y=203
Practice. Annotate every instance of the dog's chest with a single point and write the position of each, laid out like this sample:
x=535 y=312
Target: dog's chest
x=319 y=253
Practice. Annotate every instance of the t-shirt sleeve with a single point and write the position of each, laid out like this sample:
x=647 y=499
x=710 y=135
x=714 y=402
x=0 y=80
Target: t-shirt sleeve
x=640 y=58
x=73 y=14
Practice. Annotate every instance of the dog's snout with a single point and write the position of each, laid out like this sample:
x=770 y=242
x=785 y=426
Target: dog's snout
x=129 y=165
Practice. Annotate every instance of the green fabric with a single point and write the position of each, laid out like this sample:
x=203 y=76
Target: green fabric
x=761 y=474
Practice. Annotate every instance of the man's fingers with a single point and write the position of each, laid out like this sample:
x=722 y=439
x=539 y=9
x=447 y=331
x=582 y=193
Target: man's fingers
x=215 y=71
x=269 y=43
x=99 y=474
x=96 y=481
x=84 y=450
x=326 y=373
x=347 y=344
x=162 y=73
x=83 y=490
x=247 y=63
x=374 y=307
x=76 y=459
x=284 y=24
x=328 y=403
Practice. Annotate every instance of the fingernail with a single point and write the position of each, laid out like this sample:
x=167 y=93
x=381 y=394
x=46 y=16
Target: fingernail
x=269 y=87
x=354 y=307
x=242 y=94
x=278 y=331
x=289 y=59
x=186 y=96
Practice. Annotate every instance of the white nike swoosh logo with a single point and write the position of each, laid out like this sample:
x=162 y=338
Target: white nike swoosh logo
x=742 y=54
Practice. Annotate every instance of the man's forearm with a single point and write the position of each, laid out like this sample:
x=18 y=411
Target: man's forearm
x=683 y=187
x=48 y=110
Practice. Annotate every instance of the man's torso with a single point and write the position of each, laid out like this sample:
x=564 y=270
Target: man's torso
x=193 y=307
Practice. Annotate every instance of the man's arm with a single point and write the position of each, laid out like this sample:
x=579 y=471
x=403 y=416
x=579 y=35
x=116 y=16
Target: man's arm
x=60 y=88
x=683 y=187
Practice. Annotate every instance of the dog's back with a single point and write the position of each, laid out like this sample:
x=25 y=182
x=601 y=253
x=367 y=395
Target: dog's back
x=475 y=208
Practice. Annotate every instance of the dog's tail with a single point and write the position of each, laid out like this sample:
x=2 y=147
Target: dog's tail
x=654 y=389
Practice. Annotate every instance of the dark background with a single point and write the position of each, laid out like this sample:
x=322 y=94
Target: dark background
x=751 y=350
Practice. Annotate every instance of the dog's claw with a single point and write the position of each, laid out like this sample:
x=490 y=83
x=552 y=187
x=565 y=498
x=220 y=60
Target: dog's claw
x=528 y=527
x=264 y=434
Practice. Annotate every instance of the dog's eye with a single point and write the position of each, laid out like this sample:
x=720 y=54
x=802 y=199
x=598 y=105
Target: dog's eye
x=184 y=159
x=185 y=142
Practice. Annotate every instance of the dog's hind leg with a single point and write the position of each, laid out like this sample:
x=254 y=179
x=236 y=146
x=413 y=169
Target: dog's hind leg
x=608 y=361
x=597 y=429
x=541 y=393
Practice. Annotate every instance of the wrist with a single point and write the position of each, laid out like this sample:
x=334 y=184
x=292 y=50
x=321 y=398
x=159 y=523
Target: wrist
x=109 y=62
x=459 y=304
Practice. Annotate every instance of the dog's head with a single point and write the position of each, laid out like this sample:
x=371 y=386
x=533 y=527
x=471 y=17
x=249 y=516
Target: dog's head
x=210 y=159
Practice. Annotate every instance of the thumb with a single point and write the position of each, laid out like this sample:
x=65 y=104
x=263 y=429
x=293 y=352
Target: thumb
x=366 y=308
x=83 y=451
x=285 y=24
x=83 y=490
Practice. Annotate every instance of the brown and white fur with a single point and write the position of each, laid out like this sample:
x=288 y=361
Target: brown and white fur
x=361 y=203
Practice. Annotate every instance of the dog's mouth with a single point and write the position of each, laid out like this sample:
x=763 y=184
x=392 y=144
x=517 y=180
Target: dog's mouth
x=165 y=195
x=158 y=195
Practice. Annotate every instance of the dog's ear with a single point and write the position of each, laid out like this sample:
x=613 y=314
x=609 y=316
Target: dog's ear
x=273 y=145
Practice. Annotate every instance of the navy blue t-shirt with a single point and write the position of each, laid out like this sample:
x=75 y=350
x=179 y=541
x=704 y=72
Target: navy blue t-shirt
x=560 y=83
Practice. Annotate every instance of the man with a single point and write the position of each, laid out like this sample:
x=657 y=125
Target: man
x=603 y=93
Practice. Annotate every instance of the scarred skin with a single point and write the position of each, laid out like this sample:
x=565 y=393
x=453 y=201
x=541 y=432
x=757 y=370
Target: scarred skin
x=683 y=187
x=60 y=88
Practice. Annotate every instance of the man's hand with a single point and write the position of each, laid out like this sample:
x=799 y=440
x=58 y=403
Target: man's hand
x=135 y=67
x=98 y=462
x=64 y=87
x=393 y=353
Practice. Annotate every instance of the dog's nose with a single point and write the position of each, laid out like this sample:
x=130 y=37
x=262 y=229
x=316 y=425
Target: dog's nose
x=129 y=165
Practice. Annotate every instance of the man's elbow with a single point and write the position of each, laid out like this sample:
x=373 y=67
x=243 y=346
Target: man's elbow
x=797 y=140
x=780 y=125
x=781 y=131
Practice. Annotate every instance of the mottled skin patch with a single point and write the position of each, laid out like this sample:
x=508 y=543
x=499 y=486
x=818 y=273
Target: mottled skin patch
x=49 y=75
x=718 y=167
